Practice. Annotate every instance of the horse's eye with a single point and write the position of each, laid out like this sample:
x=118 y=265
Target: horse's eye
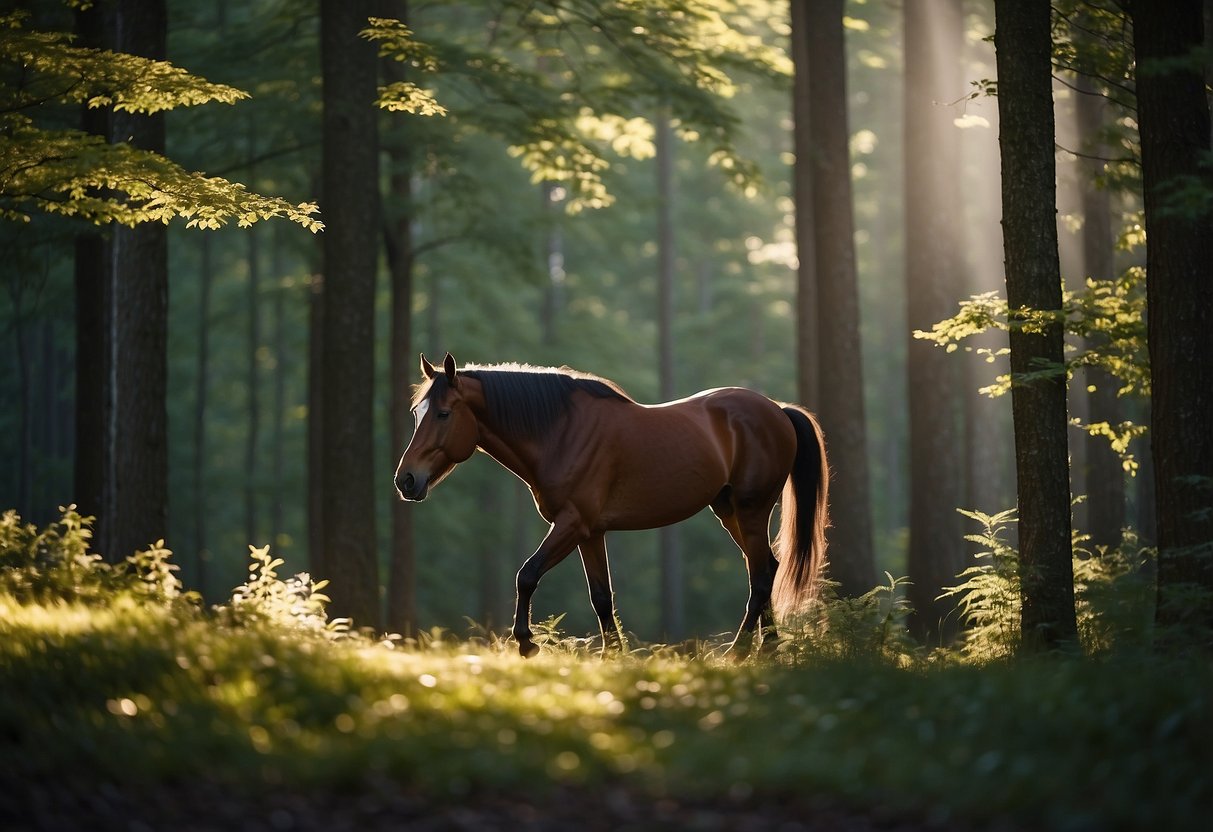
x=443 y=414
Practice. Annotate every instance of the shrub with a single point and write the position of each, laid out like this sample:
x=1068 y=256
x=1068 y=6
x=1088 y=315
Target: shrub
x=1113 y=593
x=295 y=603
x=871 y=626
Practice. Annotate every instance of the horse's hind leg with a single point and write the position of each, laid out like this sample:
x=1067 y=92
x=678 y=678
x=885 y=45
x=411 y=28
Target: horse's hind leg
x=598 y=579
x=748 y=526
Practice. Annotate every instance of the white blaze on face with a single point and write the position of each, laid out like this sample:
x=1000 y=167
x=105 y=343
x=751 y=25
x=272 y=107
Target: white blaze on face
x=420 y=412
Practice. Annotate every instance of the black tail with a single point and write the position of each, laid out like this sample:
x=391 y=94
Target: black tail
x=801 y=542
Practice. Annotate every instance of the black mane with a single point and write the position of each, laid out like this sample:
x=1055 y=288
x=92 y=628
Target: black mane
x=527 y=401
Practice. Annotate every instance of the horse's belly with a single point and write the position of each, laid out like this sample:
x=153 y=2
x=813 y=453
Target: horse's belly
x=667 y=484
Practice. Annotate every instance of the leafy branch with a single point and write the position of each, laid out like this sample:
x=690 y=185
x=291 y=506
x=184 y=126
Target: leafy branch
x=77 y=174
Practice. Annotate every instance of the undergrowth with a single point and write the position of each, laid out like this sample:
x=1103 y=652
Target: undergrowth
x=113 y=677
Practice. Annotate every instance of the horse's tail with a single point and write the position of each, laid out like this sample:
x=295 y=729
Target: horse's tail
x=804 y=517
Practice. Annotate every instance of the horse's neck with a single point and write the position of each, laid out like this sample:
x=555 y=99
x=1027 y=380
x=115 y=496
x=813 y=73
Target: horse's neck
x=518 y=456
x=522 y=458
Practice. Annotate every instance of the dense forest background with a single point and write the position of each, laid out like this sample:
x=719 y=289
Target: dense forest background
x=511 y=263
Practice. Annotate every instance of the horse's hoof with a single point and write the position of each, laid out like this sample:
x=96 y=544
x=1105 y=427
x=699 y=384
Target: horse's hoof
x=770 y=646
x=528 y=649
x=737 y=652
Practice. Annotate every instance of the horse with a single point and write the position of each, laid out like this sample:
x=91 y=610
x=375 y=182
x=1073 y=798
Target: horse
x=597 y=461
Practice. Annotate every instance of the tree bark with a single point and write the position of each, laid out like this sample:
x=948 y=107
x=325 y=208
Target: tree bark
x=278 y=407
x=402 y=570
x=252 y=371
x=1023 y=44
x=802 y=192
x=350 y=194
x=206 y=276
x=840 y=370
x=934 y=35
x=136 y=482
x=672 y=606
x=92 y=290
x=1105 y=475
x=1174 y=123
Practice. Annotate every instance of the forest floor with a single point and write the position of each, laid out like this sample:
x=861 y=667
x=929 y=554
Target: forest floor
x=127 y=716
x=205 y=807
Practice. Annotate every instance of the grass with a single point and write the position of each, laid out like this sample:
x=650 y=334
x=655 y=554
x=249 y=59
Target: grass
x=141 y=694
x=117 y=687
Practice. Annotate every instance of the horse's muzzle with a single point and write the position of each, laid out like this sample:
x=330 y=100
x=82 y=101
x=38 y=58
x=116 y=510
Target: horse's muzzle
x=411 y=487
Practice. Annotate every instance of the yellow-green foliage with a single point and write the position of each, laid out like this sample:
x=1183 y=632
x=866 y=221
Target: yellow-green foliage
x=1113 y=597
x=76 y=174
x=125 y=690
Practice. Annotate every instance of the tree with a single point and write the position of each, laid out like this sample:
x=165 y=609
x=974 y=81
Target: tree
x=350 y=196
x=839 y=361
x=398 y=239
x=1105 y=476
x=672 y=613
x=934 y=34
x=1174 y=123
x=137 y=321
x=122 y=469
x=1023 y=44
x=802 y=185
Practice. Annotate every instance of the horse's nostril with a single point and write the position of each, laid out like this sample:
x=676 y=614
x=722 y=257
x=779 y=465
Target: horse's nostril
x=406 y=485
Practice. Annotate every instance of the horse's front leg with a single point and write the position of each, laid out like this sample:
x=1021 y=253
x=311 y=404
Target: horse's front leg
x=561 y=539
x=602 y=597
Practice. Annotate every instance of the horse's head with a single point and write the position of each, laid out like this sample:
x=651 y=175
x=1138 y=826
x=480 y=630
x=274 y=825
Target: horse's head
x=445 y=435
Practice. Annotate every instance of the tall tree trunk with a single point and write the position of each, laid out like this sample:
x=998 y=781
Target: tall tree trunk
x=934 y=35
x=1105 y=475
x=136 y=510
x=398 y=236
x=252 y=386
x=278 y=408
x=92 y=284
x=252 y=374
x=840 y=370
x=1173 y=119
x=491 y=614
x=1023 y=44
x=350 y=207
x=25 y=419
x=672 y=605
x=318 y=561
x=206 y=277
x=553 y=262
x=802 y=189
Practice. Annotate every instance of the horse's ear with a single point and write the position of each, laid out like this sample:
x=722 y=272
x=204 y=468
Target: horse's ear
x=427 y=369
x=448 y=365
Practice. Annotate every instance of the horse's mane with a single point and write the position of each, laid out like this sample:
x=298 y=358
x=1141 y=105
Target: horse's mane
x=526 y=401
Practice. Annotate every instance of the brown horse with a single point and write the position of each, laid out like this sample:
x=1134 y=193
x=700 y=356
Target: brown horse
x=597 y=461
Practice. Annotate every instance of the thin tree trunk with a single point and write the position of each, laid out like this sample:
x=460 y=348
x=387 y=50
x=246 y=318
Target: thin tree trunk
x=840 y=368
x=672 y=604
x=1105 y=476
x=278 y=414
x=351 y=210
x=1174 y=122
x=802 y=187
x=91 y=282
x=1023 y=46
x=25 y=399
x=553 y=261
x=934 y=34
x=491 y=615
x=252 y=380
x=402 y=570
x=206 y=277
x=318 y=561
